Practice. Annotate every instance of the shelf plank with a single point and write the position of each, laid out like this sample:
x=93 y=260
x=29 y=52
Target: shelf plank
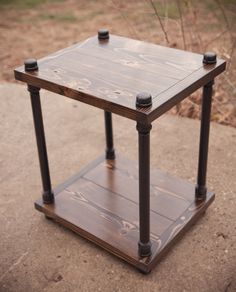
x=109 y=75
x=100 y=203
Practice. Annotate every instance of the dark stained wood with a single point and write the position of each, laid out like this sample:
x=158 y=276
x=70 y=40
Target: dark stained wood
x=102 y=211
x=166 y=182
x=101 y=203
x=126 y=185
x=109 y=75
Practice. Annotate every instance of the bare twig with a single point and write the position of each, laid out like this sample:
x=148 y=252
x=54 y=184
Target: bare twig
x=229 y=82
x=166 y=14
x=160 y=21
x=229 y=27
x=181 y=23
x=224 y=16
x=215 y=38
x=130 y=26
x=193 y=11
x=231 y=53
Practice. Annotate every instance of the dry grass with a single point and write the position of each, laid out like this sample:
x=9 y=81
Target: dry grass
x=34 y=28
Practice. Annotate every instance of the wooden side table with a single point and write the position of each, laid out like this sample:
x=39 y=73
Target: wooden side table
x=123 y=207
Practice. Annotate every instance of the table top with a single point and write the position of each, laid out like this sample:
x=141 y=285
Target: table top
x=110 y=73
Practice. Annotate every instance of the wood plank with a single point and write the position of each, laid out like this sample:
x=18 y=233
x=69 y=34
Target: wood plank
x=179 y=227
x=126 y=185
x=119 y=70
x=167 y=99
x=110 y=74
x=81 y=96
x=111 y=221
x=93 y=222
x=93 y=77
x=159 y=179
x=140 y=62
x=173 y=58
x=124 y=211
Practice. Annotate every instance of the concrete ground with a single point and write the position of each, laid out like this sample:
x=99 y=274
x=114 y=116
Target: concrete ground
x=39 y=255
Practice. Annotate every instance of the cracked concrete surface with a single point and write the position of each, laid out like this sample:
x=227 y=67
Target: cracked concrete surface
x=39 y=255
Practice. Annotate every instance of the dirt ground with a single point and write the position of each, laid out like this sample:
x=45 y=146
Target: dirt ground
x=34 y=28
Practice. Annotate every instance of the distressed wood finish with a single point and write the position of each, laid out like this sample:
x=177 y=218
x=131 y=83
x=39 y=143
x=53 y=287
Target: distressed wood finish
x=101 y=204
x=109 y=74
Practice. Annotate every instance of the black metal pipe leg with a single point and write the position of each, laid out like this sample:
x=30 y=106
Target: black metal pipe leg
x=144 y=244
x=48 y=196
x=201 y=189
x=110 y=152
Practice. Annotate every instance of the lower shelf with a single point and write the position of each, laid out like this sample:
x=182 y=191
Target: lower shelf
x=100 y=203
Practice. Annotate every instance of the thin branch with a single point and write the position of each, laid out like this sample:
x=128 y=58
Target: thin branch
x=223 y=13
x=166 y=14
x=215 y=38
x=225 y=17
x=160 y=21
x=229 y=82
x=131 y=28
x=231 y=53
x=193 y=11
x=228 y=29
x=181 y=23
